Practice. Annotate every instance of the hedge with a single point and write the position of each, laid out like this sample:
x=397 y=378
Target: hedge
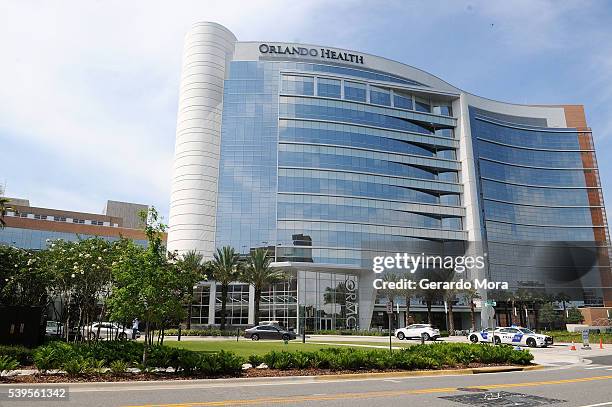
x=87 y=358
x=21 y=354
x=434 y=356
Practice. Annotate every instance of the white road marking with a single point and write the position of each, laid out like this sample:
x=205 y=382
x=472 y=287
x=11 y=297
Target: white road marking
x=596 y=367
x=609 y=403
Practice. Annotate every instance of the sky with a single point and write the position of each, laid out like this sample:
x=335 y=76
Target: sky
x=89 y=89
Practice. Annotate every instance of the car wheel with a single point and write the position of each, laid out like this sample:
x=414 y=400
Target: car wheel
x=123 y=336
x=91 y=336
x=426 y=336
x=497 y=340
x=531 y=343
x=254 y=337
x=401 y=336
x=473 y=339
x=285 y=337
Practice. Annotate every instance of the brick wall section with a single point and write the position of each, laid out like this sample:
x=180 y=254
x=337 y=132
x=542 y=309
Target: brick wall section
x=575 y=118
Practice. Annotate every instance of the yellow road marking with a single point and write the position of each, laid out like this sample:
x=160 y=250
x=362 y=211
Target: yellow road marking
x=372 y=394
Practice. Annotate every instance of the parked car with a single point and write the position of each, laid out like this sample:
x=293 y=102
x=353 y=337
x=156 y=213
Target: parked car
x=268 y=332
x=486 y=335
x=424 y=331
x=517 y=335
x=108 y=330
x=54 y=328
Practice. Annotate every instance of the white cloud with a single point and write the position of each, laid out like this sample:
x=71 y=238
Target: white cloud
x=96 y=84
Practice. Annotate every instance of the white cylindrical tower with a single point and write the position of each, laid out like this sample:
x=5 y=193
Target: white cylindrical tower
x=209 y=48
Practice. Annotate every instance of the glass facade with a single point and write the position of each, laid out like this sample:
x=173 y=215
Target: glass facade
x=315 y=161
x=326 y=156
x=537 y=185
x=38 y=239
x=237 y=305
x=321 y=137
x=328 y=300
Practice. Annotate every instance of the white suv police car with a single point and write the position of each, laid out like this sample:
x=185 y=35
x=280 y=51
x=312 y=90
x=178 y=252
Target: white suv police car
x=425 y=331
x=517 y=335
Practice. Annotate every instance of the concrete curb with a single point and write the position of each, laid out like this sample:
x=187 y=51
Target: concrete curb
x=346 y=376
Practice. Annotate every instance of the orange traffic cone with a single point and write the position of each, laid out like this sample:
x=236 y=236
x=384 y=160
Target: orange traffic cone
x=600 y=343
x=573 y=347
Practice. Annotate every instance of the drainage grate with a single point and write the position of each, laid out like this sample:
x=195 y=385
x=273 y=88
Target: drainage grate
x=501 y=399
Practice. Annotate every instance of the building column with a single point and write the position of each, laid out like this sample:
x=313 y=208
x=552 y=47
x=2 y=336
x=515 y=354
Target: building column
x=251 y=304
x=211 y=303
x=367 y=298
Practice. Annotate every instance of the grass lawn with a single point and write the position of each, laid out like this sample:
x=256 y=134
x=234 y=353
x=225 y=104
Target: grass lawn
x=245 y=348
x=370 y=343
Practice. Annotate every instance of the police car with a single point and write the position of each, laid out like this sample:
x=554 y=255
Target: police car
x=517 y=335
x=486 y=335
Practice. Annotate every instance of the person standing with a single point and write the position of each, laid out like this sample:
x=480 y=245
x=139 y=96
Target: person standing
x=135 y=327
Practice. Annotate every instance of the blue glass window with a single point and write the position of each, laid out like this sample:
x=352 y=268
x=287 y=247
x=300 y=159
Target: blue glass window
x=422 y=105
x=535 y=158
x=355 y=91
x=380 y=96
x=402 y=101
x=443 y=110
x=328 y=88
x=561 y=140
x=298 y=85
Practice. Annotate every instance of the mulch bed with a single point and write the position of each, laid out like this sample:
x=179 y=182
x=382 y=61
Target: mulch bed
x=128 y=377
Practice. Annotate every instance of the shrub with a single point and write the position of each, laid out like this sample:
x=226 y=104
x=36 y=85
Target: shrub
x=78 y=365
x=207 y=365
x=53 y=356
x=431 y=356
x=188 y=361
x=118 y=367
x=7 y=363
x=255 y=360
x=24 y=356
x=230 y=363
x=163 y=356
x=127 y=351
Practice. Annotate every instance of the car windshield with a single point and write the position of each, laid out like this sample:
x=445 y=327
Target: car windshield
x=526 y=331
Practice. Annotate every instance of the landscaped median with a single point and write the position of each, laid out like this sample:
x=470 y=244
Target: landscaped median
x=119 y=361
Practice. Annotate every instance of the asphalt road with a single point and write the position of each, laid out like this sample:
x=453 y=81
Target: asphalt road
x=578 y=385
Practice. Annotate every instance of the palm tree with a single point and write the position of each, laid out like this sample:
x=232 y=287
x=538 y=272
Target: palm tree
x=408 y=294
x=192 y=263
x=3 y=209
x=471 y=295
x=225 y=267
x=258 y=273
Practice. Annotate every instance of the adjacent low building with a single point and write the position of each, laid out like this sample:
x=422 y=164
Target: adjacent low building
x=31 y=227
x=317 y=152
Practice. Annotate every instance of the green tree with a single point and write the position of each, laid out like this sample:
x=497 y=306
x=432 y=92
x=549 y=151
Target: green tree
x=471 y=295
x=193 y=267
x=4 y=208
x=145 y=284
x=548 y=315
x=574 y=316
x=257 y=272
x=81 y=278
x=437 y=294
x=408 y=295
x=226 y=268
x=24 y=280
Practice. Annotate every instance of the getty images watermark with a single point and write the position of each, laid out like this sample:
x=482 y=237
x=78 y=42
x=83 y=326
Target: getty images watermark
x=443 y=270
